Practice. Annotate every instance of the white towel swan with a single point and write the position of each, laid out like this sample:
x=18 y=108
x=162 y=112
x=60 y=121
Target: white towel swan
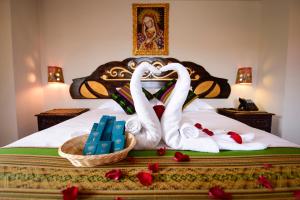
x=171 y=118
x=150 y=134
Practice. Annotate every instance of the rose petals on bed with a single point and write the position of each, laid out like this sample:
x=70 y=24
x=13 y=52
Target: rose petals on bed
x=153 y=167
x=70 y=193
x=159 y=110
x=115 y=174
x=145 y=178
x=198 y=126
x=236 y=137
x=265 y=182
x=161 y=151
x=218 y=193
x=180 y=157
x=297 y=194
x=208 y=132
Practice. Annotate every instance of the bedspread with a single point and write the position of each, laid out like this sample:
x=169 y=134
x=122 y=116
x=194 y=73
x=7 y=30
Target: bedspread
x=28 y=173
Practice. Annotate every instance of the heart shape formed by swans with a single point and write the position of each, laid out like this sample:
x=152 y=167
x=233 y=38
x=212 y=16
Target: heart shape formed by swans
x=168 y=127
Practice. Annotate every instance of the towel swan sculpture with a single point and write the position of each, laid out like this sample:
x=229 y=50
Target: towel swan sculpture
x=172 y=116
x=150 y=134
x=152 y=130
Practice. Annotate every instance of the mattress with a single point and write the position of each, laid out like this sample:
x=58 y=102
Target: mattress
x=30 y=168
x=55 y=136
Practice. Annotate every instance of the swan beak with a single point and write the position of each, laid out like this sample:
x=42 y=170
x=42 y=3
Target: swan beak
x=164 y=69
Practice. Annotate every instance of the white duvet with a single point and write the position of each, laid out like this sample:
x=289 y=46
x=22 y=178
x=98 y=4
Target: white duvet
x=56 y=135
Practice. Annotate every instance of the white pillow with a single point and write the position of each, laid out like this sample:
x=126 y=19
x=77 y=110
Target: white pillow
x=110 y=104
x=115 y=107
x=198 y=105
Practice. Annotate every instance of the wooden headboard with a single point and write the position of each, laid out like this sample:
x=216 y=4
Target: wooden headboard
x=107 y=77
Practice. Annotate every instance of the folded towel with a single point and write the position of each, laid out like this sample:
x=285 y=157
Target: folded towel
x=133 y=125
x=246 y=137
x=226 y=142
x=189 y=131
x=172 y=117
x=231 y=145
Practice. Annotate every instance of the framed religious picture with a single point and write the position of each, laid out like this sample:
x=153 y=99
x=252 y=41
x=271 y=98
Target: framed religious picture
x=150 y=29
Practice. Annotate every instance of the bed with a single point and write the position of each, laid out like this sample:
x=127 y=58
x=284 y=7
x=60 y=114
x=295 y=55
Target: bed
x=30 y=168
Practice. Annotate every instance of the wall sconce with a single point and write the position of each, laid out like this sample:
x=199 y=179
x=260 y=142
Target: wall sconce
x=55 y=74
x=244 y=75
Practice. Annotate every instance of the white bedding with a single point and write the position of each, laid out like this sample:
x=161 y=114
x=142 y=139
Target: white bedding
x=56 y=135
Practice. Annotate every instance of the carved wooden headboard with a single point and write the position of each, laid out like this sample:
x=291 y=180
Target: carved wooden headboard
x=107 y=77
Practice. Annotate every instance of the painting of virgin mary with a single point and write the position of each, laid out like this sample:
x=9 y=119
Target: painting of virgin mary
x=150 y=29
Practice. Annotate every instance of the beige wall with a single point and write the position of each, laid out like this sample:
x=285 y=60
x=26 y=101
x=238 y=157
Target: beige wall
x=80 y=35
x=291 y=106
x=26 y=58
x=8 y=120
x=272 y=59
x=21 y=91
x=279 y=65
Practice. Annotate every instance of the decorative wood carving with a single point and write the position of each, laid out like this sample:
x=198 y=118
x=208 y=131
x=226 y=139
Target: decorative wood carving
x=107 y=77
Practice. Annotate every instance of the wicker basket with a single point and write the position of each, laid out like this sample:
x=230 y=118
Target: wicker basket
x=72 y=150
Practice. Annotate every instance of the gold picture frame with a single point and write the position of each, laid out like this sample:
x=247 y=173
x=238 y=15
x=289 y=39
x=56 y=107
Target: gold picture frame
x=150 y=29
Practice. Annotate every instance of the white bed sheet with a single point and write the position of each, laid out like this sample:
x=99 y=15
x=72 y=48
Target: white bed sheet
x=56 y=135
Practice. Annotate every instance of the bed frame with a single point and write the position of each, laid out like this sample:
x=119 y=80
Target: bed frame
x=109 y=76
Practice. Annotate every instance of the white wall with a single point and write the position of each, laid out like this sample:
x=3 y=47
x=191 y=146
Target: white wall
x=79 y=35
x=8 y=119
x=291 y=106
x=21 y=91
x=26 y=58
x=272 y=59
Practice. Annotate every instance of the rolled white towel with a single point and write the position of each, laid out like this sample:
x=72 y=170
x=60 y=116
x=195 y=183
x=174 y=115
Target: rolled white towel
x=188 y=131
x=246 y=137
x=226 y=145
x=133 y=125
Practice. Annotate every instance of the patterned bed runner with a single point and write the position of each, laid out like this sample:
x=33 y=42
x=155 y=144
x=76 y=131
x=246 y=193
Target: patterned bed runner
x=44 y=177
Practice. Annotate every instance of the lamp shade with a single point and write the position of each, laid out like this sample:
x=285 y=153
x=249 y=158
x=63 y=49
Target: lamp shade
x=55 y=74
x=244 y=75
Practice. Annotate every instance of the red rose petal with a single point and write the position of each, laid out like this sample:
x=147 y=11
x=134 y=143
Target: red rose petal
x=265 y=182
x=218 y=193
x=159 y=110
x=180 y=157
x=297 y=194
x=115 y=174
x=267 y=166
x=119 y=198
x=70 y=193
x=145 y=178
x=236 y=137
x=198 y=126
x=208 y=132
x=161 y=151
x=153 y=167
